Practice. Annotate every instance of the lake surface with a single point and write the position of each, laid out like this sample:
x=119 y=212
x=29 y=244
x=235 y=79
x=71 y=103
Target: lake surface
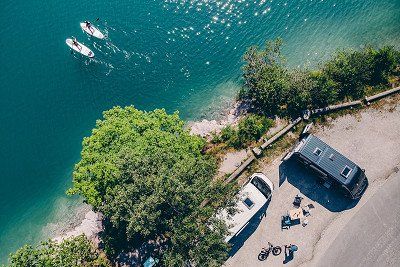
x=177 y=55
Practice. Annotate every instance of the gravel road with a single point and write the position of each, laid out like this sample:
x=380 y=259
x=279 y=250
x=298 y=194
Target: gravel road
x=370 y=138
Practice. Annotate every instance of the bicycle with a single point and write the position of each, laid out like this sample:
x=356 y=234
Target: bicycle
x=263 y=255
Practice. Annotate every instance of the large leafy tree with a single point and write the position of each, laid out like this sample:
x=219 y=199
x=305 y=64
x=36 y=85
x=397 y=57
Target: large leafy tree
x=323 y=92
x=298 y=97
x=266 y=78
x=73 y=252
x=386 y=64
x=148 y=176
x=185 y=239
x=351 y=70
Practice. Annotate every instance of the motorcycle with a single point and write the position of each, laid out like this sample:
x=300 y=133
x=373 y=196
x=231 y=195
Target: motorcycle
x=263 y=255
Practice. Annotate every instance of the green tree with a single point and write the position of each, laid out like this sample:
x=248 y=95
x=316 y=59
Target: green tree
x=386 y=61
x=273 y=89
x=265 y=78
x=72 y=252
x=324 y=90
x=147 y=175
x=184 y=249
x=252 y=127
x=298 y=96
x=351 y=70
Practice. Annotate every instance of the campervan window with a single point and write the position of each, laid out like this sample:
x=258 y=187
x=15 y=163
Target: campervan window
x=317 y=151
x=346 y=171
x=262 y=186
x=248 y=203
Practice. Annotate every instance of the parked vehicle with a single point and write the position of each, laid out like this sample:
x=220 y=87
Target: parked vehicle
x=263 y=255
x=252 y=197
x=331 y=166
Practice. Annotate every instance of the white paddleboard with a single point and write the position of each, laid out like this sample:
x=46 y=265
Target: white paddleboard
x=93 y=31
x=80 y=48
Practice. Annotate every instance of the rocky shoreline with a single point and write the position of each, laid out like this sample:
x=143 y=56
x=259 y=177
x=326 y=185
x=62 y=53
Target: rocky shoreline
x=90 y=226
x=231 y=116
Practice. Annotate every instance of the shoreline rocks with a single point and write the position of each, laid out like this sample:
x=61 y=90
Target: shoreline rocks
x=90 y=226
x=231 y=116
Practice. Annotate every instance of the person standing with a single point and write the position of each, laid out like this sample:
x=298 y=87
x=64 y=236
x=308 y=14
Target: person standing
x=289 y=252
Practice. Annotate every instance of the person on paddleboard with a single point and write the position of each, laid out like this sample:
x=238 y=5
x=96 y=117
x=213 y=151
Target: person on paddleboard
x=89 y=26
x=75 y=43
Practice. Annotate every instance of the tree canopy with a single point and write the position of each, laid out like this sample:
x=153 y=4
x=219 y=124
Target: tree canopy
x=73 y=252
x=266 y=78
x=148 y=176
x=274 y=89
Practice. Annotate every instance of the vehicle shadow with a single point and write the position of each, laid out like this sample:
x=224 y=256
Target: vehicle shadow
x=238 y=240
x=309 y=185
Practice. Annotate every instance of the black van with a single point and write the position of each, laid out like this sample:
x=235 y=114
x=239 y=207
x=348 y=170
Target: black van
x=334 y=168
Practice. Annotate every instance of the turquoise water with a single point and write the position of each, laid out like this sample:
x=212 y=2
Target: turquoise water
x=183 y=55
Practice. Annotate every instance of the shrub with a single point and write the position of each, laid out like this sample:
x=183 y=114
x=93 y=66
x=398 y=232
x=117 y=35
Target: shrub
x=234 y=141
x=227 y=133
x=72 y=252
x=215 y=138
x=324 y=91
x=272 y=88
x=252 y=127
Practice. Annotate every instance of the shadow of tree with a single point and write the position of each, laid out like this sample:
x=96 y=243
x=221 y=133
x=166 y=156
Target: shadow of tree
x=125 y=253
x=238 y=240
x=309 y=185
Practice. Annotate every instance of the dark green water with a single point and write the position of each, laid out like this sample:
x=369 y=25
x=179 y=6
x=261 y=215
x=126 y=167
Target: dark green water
x=183 y=55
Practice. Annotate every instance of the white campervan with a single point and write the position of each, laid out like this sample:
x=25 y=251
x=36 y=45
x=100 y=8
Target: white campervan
x=252 y=197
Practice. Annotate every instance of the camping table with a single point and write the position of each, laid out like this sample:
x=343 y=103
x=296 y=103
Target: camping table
x=296 y=214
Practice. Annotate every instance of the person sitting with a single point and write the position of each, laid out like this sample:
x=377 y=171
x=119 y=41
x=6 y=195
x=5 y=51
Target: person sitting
x=297 y=201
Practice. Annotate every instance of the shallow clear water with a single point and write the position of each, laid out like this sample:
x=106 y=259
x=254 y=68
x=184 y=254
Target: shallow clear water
x=183 y=55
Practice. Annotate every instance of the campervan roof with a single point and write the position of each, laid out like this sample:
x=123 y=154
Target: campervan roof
x=251 y=200
x=328 y=159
